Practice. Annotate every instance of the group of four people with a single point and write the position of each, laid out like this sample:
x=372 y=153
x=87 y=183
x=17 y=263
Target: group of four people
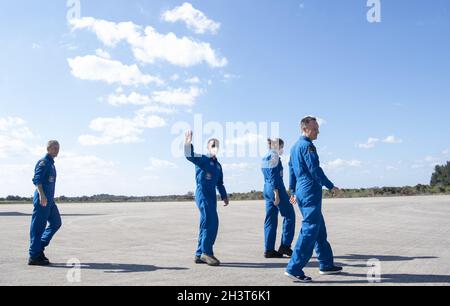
x=307 y=180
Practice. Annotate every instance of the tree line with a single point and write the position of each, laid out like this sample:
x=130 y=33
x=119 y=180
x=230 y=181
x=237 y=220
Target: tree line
x=439 y=184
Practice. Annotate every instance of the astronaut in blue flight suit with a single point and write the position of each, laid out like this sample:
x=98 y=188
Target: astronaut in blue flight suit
x=45 y=209
x=209 y=177
x=306 y=182
x=277 y=201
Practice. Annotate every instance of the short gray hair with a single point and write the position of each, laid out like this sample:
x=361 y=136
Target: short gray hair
x=52 y=143
x=306 y=121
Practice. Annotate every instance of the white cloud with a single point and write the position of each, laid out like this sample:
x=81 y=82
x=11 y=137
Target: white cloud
x=341 y=163
x=238 y=166
x=154 y=109
x=428 y=162
x=94 y=68
x=391 y=168
x=175 y=77
x=102 y=53
x=249 y=138
x=321 y=121
x=149 y=46
x=14 y=136
x=392 y=140
x=134 y=98
x=193 y=80
x=83 y=167
x=229 y=77
x=120 y=130
x=193 y=18
x=177 y=96
x=418 y=166
x=159 y=164
x=370 y=144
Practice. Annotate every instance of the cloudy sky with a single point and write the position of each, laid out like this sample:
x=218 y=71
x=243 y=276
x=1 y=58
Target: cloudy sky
x=117 y=81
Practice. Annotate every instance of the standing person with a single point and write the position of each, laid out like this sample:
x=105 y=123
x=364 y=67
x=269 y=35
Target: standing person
x=45 y=209
x=306 y=182
x=277 y=201
x=209 y=177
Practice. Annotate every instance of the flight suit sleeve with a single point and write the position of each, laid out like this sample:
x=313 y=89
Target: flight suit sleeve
x=40 y=172
x=312 y=161
x=292 y=178
x=221 y=186
x=196 y=159
x=273 y=171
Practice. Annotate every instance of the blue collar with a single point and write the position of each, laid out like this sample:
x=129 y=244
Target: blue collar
x=214 y=158
x=306 y=139
x=49 y=158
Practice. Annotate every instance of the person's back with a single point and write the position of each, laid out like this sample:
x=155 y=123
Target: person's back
x=271 y=164
x=277 y=201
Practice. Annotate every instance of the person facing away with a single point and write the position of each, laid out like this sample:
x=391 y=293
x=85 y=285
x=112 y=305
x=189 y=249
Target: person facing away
x=209 y=177
x=45 y=209
x=277 y=202
x=307 y=180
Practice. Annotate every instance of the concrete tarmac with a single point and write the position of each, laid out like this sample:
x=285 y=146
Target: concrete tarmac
x=154 y=243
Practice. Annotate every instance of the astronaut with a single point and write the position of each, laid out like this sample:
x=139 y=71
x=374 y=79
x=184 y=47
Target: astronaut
x=277 y=201
x=209 y=177
x=306 y=182
x=45 y=209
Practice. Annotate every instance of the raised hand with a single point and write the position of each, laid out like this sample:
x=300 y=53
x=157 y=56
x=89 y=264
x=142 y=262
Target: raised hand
x=188 y=137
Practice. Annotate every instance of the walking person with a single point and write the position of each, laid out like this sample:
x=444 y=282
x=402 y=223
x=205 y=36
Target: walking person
x=307 y=180
x=277 y=202
x=45 y=209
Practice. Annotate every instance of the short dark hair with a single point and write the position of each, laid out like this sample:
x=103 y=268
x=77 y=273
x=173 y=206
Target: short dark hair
x=306 y=121
x=275 y=141
x=214 y=140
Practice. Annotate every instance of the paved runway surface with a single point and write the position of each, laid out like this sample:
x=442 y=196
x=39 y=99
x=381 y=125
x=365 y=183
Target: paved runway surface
x=154 y=243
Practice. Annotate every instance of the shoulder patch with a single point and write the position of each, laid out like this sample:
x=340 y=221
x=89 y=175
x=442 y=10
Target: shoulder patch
x=312 y=149
x=42 y=163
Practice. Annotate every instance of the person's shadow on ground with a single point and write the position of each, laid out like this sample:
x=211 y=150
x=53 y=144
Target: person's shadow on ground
x=19 y=214
x=117 y=268
x=392 y=279
x=359 y=261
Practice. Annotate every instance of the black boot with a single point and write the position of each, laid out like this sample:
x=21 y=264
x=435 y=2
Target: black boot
x=273 y=254
x=44 y=257
x=284 y=250
x=38 y=261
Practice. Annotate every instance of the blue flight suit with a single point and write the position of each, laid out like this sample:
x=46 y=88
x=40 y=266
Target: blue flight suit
x=272 y=169
x=40 y=234
x=306 y=181
x=209 y=176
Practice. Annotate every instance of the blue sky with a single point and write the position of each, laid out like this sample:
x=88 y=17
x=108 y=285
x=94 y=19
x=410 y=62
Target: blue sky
x=112 y=91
